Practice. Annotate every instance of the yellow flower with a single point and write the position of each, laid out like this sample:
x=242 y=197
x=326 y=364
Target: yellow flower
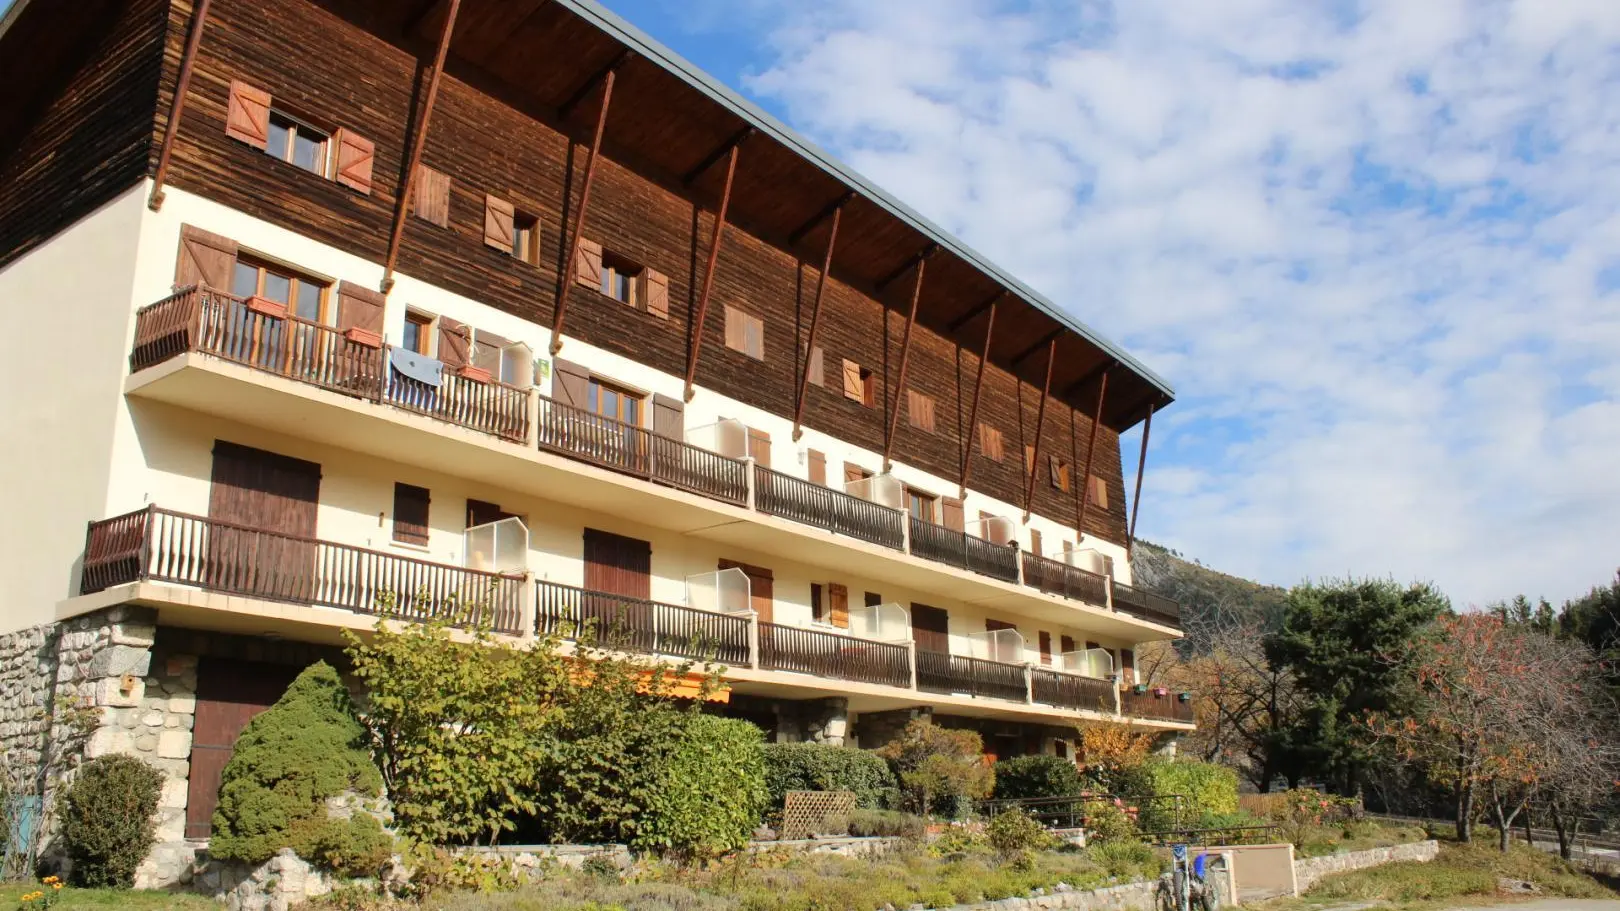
x=56 y=885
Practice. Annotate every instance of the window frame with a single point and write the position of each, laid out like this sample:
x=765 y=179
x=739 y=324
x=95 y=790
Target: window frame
x=424 y=323
x=525 y=236
x=293 y=125
x=916 y=496
x=621 y=267
x=593 y=398
x=296 y=278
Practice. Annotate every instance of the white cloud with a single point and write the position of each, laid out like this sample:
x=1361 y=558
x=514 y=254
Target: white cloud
x=1364 y=240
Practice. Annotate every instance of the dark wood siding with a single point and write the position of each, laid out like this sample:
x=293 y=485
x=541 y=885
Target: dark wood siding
x=617 y=565
x=930 y=628
x=494 y=144
x=81 y=93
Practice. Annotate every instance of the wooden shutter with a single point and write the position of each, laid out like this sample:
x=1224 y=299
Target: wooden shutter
x=991 y=626
x=761 y=588
x=818 y=376
x=759 y=446
x=588 y=264
x=205 y=259
x=920 y=410
x=853 y=473
x=991 y=444
x=355 y=155
x=1099 y=492
x=570 y=384
x=247 y=114
x=930 y=628
x=1057 y=472
x=838 y=605
x=736 y=334
x=951 y=514
x=1065 y=644
x=669 y=417
x=1035 y=542
x=498 y=217
x=655 y=292
x=453 y=342
x=818 y=607
x=1127 y=665
x=411 y=513
x=753 y=337
x=359 y=308
x=1029 y=460
x=431 y=196
x=854 y=387
x=818 y=466
x=1046 y=646
x=618 y=565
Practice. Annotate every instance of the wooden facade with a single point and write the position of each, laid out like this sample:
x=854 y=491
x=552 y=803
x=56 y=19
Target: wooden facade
x=361 y=67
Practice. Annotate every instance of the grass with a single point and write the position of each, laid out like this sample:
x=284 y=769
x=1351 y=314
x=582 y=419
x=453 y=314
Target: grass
x=1356 y=835
x=1461 y=872
x=71 y=899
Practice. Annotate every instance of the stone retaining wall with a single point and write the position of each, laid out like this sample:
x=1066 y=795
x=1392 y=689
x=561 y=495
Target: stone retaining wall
x=1129 y=897
x=1309 y=870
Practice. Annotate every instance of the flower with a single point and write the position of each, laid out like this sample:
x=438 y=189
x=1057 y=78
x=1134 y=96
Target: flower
x=56 y=885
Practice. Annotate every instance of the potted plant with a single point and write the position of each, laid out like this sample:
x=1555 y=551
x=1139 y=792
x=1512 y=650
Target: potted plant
x=267 y=307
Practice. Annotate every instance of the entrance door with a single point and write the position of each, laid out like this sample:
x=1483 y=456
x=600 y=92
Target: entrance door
x=618 y=582
x=761 y=588
x=229 y=694
x=265 y=503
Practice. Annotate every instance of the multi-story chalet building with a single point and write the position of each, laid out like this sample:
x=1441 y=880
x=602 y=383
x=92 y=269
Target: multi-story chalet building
x=502 y=301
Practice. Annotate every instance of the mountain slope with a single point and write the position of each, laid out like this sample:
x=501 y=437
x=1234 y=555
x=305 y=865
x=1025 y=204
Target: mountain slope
x=1210 y=600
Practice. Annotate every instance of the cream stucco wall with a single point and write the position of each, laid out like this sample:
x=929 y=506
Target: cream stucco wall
x=70 y=302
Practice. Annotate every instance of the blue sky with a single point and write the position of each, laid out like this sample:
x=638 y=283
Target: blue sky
x=1374 y=244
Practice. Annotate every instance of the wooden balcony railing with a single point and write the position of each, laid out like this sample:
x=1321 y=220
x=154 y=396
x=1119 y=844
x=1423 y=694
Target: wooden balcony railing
x=631 y=450
x=970 y=552
x=824 y=654
x=1146 y=605
x=164 y=546
x=1059 y=578
x=490 y=407
x=1168 y=707
x=823 y=507
x=938 y=672
x=638 y=625
x=1072 y=691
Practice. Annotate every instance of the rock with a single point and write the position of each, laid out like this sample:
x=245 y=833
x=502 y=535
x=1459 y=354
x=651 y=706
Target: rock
x=174 y=744
x=119 y=660
x=1508 y=886
x=764 y=833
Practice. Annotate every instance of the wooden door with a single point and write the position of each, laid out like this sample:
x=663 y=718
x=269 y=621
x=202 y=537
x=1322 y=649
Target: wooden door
x=761 y=588
x=618 y=583
x=267 y=503
x=229 y=694
x=930 y=628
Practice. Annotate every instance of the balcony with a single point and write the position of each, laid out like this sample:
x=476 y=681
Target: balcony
x=517 y=421
x=1157 y=704
x=637 y=625
x=1071 y=691
x=938 y=672
x=830 y=655
x=158 y=545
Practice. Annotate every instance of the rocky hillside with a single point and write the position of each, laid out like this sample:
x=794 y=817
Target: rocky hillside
x=1209 y=599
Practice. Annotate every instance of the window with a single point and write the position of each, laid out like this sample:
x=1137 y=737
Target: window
x=526 y=237
x=1058 y=473
x=613 y=402
x=1035 y=545
x=854 y=474
x=920 y=410
x=859 y=384
x=297 y=143
x=991 y=443
x=921 y=504
x=1099 y=492
x=818 y=606
x=411 y=514
x=873 y=599
x=619 y=278
x=418 y=335
x=745 y=332
x=305 y=296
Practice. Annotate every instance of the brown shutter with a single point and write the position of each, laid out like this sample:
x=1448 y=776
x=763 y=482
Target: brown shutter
x=355 y=155
x=359 y=308
x=588 y=264
x=247 y=114
x=920 y=410
x=818 y=607
x=754 y=337
x=854 y=388
x=411 y=504
x=951 y=514
x=838 y=605
x=1099 y=492
x=1065 y=644
x=655 y=291
x=1035 y=542
x=669 y=417
x=205 y=259
x=498 y=216
x=759 y=446
x=432 y=196
x=818 y=467
x=1127 y=665
x=818 y=375
x=1046 y=646
x=453 y=342
x=1029 y=460
x=736 y=334
x=570 y=383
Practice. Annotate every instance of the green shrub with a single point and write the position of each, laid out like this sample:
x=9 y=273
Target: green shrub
x=1125 y=859
x=818 y=767
x=940 y=764
x=958 y=839
x=107 y=819
x=710 y=793
x=1013 y=834
x=1206 y=788
x=1036 y=776
x=886 y=823
x=1108 y=820
x=289 y=761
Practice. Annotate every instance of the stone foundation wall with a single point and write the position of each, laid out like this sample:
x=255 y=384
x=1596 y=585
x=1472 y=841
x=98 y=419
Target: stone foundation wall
x=1307 y=871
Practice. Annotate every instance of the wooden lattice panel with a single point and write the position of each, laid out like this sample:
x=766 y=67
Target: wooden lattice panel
x=809 y=813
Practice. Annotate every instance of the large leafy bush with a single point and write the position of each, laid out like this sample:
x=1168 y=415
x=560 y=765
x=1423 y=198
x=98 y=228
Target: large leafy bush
x=819 y=767
x=1207 y=789
x=107 y=819
x=1037 y=776
x=291 y=758
x=709 y=793
x=937 y=764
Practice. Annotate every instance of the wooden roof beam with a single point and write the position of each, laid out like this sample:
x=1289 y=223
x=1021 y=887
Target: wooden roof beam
x=1090 y=377
x=914 y=262
x=713 y=158
x=973 y=314
x=560 y=311
x=177 y=107
x=836 y=205
x=586 y=87
x=1141 y=468
x=1040 y=419
x=1047 y=339
x=1091 y=450
x=815 y=322
x=969 y=432
x=696 y=344
x=905 y=358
